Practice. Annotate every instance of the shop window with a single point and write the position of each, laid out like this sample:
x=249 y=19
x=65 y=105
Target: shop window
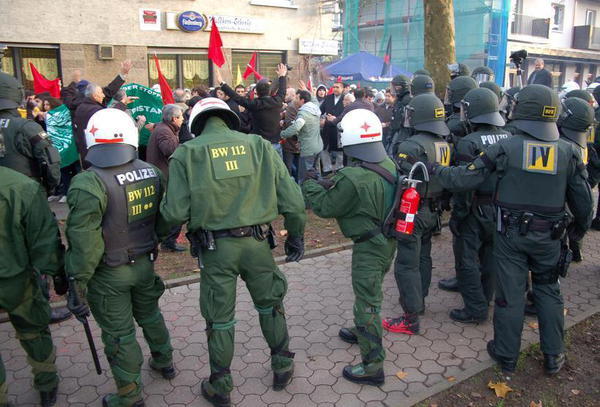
x=16 y=62
x=266 y=65
x=180 y=70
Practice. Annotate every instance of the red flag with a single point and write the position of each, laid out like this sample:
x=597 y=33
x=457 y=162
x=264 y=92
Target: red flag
x=41 y=84
x=215 y=52
x=251 y=68
x=330 y=91
x=165 y=90
x=309 y=85
x=339 y=79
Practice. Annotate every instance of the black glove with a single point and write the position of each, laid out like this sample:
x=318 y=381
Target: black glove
x=294 y=248
x=575 y=233
x=78 y=307
x=61 y=284
x=453 y=224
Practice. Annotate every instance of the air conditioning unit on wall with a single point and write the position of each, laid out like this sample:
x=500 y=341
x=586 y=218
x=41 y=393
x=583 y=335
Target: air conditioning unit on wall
x=106 y=52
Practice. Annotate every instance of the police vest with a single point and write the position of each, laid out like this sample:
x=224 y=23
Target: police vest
x=10 y=136
x=481 y=140
x=535 y=175
x=133 y=192
x=437 y=150
x=580 y=142
x=397 y=123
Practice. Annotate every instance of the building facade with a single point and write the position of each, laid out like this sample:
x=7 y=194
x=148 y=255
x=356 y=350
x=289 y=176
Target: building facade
x=562 y=32
x=95 y=36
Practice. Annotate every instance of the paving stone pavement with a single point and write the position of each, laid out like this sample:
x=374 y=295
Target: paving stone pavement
x=319 y=302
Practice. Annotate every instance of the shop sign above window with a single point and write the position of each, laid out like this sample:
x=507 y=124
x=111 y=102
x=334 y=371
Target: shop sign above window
x=191 y=21
x=150 y=19
x=248 y=25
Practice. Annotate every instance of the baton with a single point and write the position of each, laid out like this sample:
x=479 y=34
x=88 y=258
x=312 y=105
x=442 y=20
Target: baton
x=86 y=326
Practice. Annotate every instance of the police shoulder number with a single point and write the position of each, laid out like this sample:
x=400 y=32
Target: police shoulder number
x=232 y=159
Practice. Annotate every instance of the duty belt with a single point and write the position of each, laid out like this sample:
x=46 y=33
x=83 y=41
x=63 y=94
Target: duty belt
x=243 y=231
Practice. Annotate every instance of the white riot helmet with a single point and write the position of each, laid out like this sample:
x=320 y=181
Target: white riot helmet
x=111 y=137
x=361 y=136
x=207 y=107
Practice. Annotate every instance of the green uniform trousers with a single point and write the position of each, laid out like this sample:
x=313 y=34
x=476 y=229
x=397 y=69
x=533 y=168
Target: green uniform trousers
x=413 y=262
x=370 y=263
x=477 y=270
x=516 y=255
x=117 y=296
x=30 y=320
x=252 y=260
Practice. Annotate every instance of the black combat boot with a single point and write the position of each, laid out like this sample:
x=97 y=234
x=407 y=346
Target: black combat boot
x=168 y=372
x=348 y=336
x=48 y=398
x=461 y=315
x=217 y=400
x=507 y=365
x=449 y=284
x=282 y=379
x=553 y=363
x=357 y=374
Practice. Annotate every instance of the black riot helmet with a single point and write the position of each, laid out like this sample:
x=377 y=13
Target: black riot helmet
x=536 y=111
x=457 y=89
x=400 y=84
x=482 y=74
x=575 y=120
x=422 y=84
x=425 y=112
x=11 y=92
x=493 y=86
x=480 y=106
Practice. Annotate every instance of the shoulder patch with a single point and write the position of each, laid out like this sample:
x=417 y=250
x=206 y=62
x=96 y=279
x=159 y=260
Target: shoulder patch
x=540 y=157
x=442 y=153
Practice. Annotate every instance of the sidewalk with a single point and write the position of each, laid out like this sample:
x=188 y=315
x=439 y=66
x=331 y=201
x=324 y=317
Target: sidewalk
x=319 y=302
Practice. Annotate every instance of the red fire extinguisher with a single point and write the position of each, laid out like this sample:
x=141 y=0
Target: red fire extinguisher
x=409 y=204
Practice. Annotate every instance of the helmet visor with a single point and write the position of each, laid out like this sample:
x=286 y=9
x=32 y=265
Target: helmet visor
x=464 y=108
x=408 y=112
x=482 y=77
x=448 y=96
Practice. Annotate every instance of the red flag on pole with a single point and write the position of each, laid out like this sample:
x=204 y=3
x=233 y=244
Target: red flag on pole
x=309 y=85
x=215 y=52
x=41 y=84
x=251 y=68
x=165 y=90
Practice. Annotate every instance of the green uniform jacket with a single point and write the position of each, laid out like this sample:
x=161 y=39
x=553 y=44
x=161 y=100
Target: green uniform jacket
x=29 y=237
x=87 y=200
x=225 y=179
x=359 y=199
x=469 y=177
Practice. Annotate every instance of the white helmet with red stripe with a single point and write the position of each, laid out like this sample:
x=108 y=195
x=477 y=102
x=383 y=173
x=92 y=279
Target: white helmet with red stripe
x=361 y=136
x=112 y=138
x=207 y=107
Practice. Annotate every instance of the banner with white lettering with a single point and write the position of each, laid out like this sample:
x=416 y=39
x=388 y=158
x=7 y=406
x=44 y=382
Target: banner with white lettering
x=149 y=104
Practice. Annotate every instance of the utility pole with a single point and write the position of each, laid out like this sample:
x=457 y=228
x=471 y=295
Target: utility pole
x=439 y=41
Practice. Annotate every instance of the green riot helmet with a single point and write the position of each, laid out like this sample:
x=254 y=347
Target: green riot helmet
x=457 y=70
x=575 y=120
x=536 y=111
x=581 y=94
x=508 y=101
x=457 y=89
x=480 y=106
x=400 y=85
x=422 y=84
x=421 y=71
x=482 y=74
x=426 y=112
x=11 y=92
x=493 y=87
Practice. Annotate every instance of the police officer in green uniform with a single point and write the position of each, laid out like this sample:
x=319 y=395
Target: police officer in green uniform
x=593 y=166
x=457 y=70
x=360 y=197
x=419 y=85
x=537 y=174
x=475 y=224
x=25 y=147
x=425 y=114
x=457 y=89
x=401 y=89
x=112 y=245
x=575 y=121
x=229 y=186
x=29 y=247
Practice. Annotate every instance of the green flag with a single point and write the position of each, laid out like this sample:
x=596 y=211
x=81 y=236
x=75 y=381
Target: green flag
x=60 y=131
x=149 y=104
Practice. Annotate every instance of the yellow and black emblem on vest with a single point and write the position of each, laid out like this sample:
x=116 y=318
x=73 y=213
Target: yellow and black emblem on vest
x=231 y=160
x=540 y=157
x=442 y=153
x=549 y=112
x=584 y=154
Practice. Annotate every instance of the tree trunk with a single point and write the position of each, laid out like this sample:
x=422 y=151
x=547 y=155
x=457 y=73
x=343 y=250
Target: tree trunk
x=439 y=41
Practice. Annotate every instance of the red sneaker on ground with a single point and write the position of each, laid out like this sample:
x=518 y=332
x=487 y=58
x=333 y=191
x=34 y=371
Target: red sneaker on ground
x=406 y=324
